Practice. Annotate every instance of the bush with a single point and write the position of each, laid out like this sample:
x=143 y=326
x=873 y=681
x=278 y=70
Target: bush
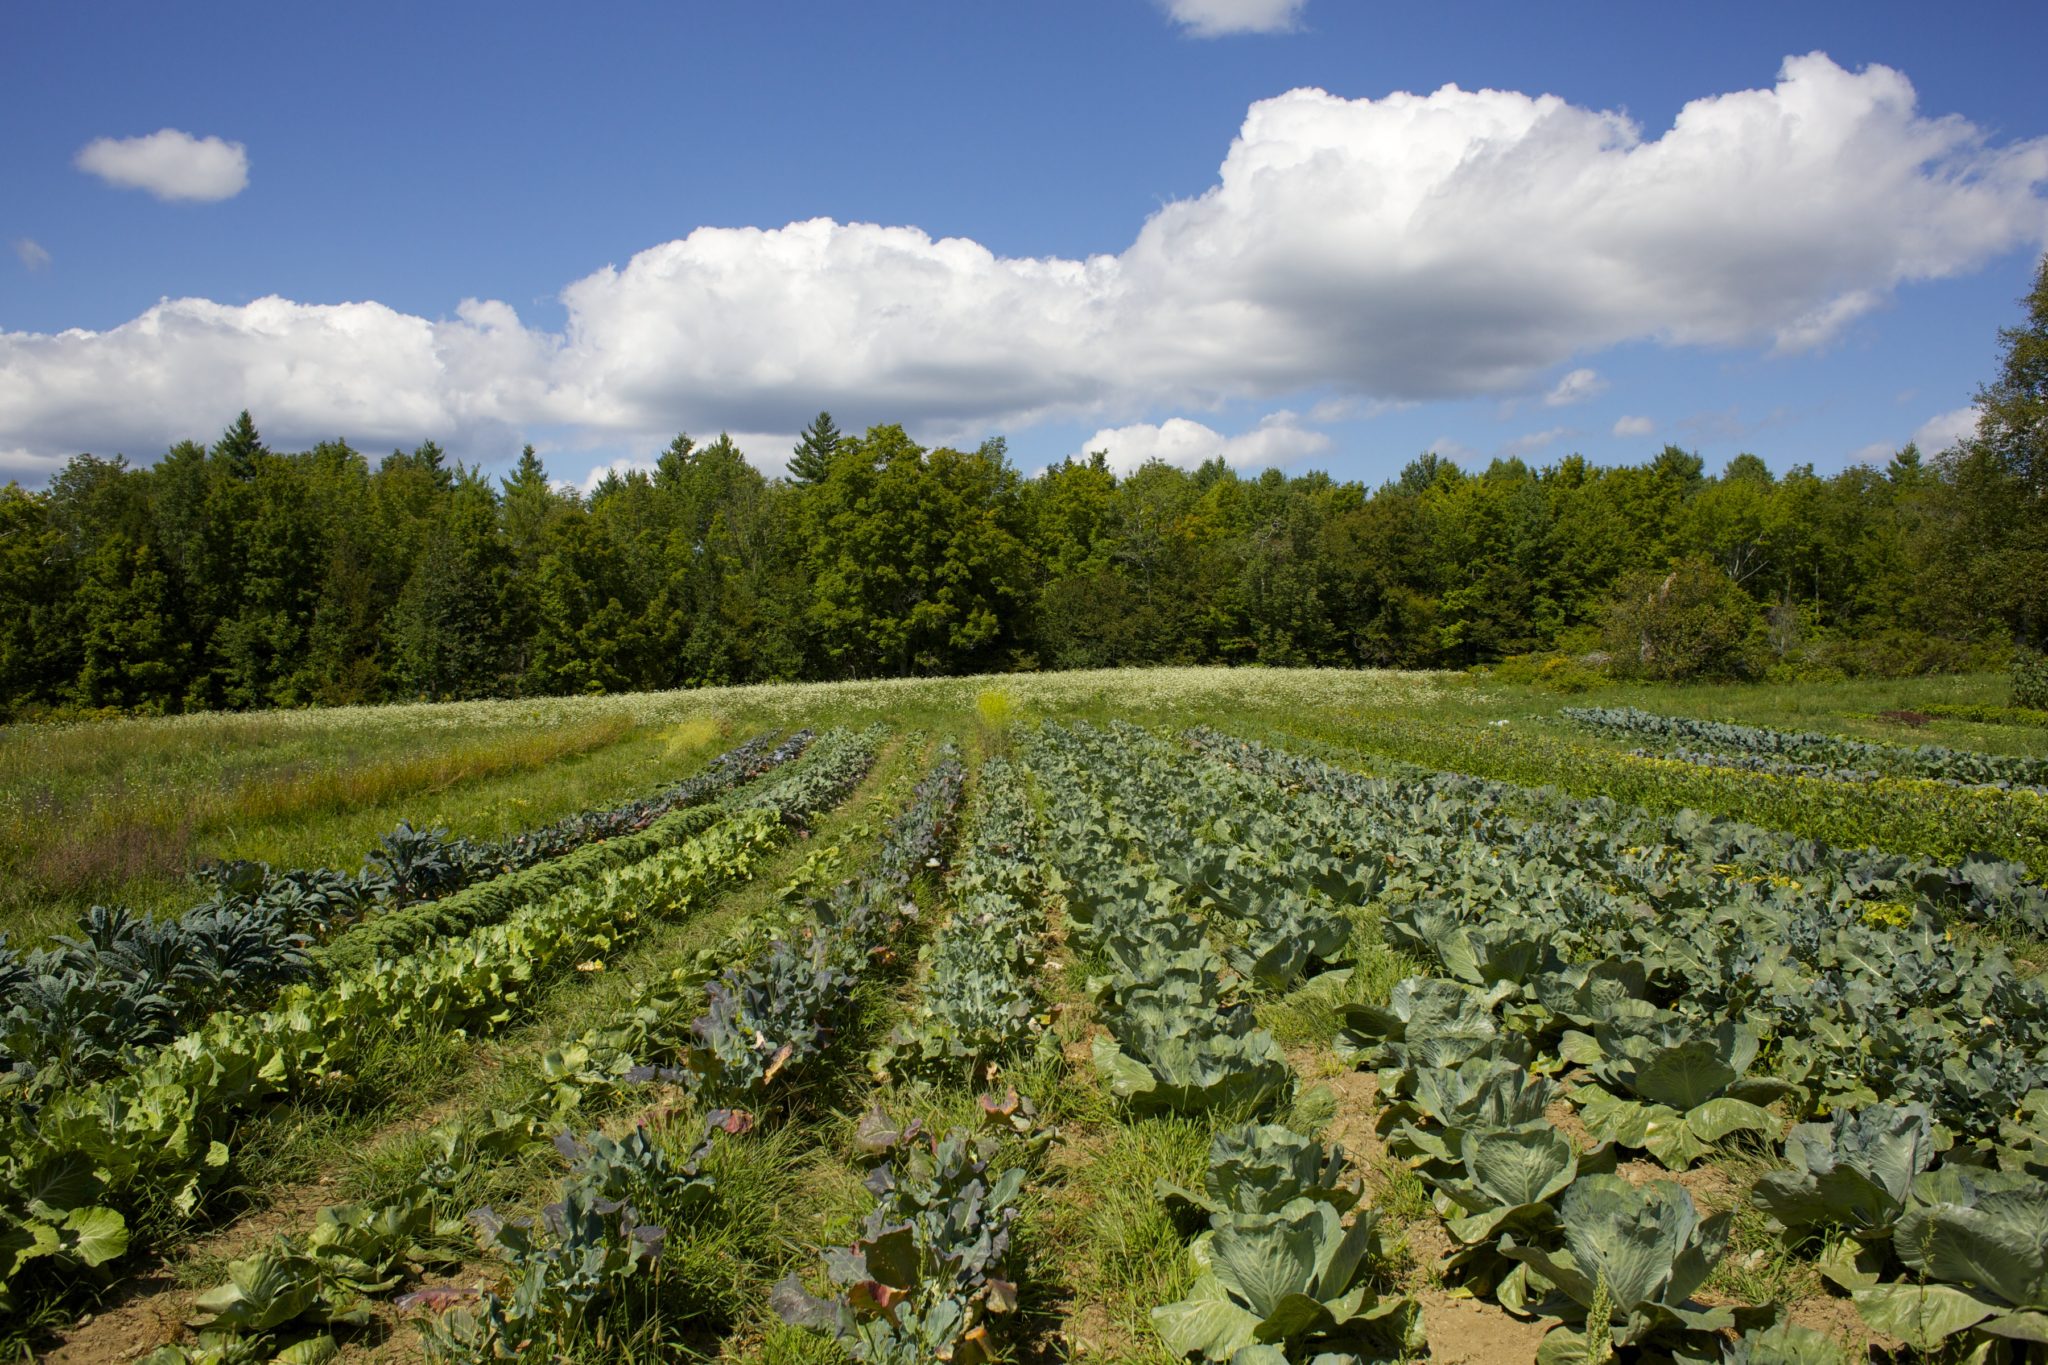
x=1692 y=622
x=2030 y=681
x=1555 y=671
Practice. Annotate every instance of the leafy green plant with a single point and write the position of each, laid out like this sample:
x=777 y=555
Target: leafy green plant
x=1260 y=1168
x=1853 y=1174
x=926 y=1274
x=1427 y=1022
x=1634 y=1255
x=1295 y=1278
x=2029 y=678
x=1665 y=1085
x=1977 y=1241
x=601 y=1238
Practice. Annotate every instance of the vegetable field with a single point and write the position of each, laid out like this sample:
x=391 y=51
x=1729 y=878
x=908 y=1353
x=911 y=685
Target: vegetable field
x=1250 y=1017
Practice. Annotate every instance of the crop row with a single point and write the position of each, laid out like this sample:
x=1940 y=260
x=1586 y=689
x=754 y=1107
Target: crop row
x=1829 y=752
x=980 y=1004
x=763 y=1025
x=1914 y=819
x=1866 y=1003
x=157 y=1132
x=1978 y=889
x=86 y=1005
x=1680 y=1023
x=1280 y=1276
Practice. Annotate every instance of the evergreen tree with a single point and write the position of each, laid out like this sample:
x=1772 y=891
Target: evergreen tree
x=239 y=446
x=814 y=452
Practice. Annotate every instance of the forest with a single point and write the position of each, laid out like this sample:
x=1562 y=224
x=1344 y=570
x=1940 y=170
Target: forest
x=235 y=576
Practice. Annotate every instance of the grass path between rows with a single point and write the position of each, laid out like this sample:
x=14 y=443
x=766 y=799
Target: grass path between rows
x=295 y=1159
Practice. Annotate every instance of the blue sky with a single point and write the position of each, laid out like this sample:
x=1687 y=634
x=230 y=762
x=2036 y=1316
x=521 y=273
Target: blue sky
x=1070 y=224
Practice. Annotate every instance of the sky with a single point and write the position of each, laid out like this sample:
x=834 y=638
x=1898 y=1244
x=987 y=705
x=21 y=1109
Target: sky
x=1311 y=234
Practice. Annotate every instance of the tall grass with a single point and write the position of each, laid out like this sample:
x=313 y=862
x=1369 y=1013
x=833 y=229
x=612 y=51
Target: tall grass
x=94 y=830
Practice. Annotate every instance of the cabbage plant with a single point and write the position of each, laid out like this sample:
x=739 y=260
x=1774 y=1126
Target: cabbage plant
x=1632 y=1255
x=1295 y=1277
x=1260 y=1168
x=1977 y=1241
x=1853 y=1174
x=1664 y=1085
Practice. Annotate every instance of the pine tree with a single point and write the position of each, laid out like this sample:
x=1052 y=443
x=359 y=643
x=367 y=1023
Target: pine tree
x=814 y=452
x=239 y=446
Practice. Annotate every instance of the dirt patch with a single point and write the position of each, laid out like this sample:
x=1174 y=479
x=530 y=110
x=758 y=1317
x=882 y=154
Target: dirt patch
x=1093 y=1334
x=1468 y=1331
x=1358 y=1107
x=150 y=1313
x=1838 y=1320
x=1711 y=1188
x=1566 y=1120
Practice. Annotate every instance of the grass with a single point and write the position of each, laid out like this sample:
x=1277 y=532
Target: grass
x=96 y=835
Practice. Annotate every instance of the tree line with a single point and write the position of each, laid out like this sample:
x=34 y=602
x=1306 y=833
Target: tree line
x=232 y=575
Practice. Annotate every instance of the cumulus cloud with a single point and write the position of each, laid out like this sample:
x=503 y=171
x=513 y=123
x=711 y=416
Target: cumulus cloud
x=32 y=255
x=169 y=164
x=1278 y=439
x=1214 y=18
x=1575 y=387
x=1399 y=249
x=1531 y=442
x=1633 y=426
x=1938 y=433
x=356 y=370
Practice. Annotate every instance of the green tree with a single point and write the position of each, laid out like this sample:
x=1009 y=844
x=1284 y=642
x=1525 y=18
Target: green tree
x=814 y=451
x=447 y=632
x=914 y=560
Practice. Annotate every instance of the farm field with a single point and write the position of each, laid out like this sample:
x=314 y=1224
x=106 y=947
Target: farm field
x=1253 y=1016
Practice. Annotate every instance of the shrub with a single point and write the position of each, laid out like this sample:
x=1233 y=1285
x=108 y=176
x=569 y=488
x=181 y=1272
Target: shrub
x=2030 y=681
x=1692 y=622
x=1557 y=672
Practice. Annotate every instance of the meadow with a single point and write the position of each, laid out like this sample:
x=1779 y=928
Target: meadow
x=1249 y=1015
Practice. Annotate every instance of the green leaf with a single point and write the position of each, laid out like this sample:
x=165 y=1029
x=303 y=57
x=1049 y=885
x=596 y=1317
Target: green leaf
x=1205 y=1323
x=1668 y=1137
x=317 y=1350
x=2023 y=1326
x=1716 y=1119
x=1920 y=1315
x=1521 y=1166
x=1685 y=1076
x=101 y=1235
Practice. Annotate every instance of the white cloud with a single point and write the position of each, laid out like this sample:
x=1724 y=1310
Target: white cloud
x=1938 y=433
x=623 y=466
x=1633 y=426
x=1575 y=387
x=32 y=255
x=1399 y=249
x=169 y=164
x=1531 y=442
x=1214 y=18
x=355 y=370
x=1278 y=439
x=1877 y=452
